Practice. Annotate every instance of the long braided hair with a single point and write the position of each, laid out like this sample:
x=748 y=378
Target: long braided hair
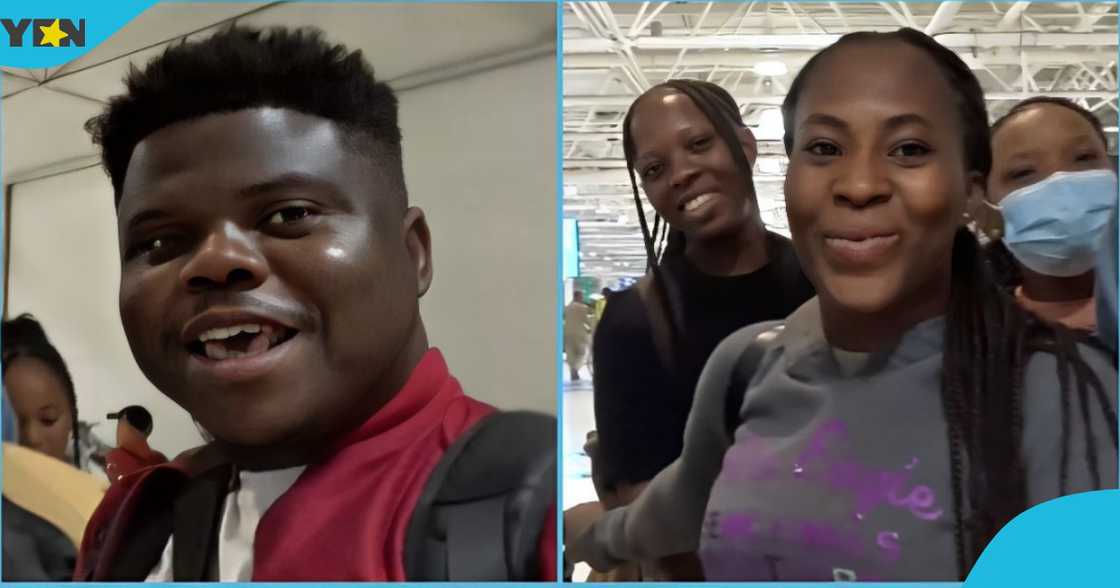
x=661 y=241
x=988 y=341
x=24 y=337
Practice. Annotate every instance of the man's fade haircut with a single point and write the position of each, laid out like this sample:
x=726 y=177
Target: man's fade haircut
x=240 y=68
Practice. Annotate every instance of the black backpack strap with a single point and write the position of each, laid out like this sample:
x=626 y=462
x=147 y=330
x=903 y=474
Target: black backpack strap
x=197 y=519
x=484 y=505
x=741 y=375
x=147 y=532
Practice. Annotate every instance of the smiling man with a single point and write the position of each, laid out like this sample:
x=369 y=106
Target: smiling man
x=271 y=268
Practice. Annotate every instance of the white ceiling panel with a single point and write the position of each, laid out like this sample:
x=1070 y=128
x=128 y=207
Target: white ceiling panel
x=14 y=81
x=403 y=39
x=411 y=43
x=39 y=130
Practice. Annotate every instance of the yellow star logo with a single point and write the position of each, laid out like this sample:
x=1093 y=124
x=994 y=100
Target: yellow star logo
x=52 y=34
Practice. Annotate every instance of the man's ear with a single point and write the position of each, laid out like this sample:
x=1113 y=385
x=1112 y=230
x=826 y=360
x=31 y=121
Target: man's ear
x=418 y=243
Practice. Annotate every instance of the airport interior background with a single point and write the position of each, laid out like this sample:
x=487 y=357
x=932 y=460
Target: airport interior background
x=614 y=51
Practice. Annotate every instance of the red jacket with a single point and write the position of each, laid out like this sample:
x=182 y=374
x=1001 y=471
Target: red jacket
x=345 y=518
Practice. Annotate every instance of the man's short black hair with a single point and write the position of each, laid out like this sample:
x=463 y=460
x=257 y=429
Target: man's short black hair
x=239 y=68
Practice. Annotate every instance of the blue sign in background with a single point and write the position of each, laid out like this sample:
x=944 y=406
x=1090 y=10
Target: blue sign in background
x=1071 y=541
x=570 y=252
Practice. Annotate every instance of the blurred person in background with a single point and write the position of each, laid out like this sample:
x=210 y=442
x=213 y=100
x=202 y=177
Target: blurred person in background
x=579 y=322
x=1053 y=188
x=46 y=505
x=134 y=426
x=601 y=303
x=41 y=390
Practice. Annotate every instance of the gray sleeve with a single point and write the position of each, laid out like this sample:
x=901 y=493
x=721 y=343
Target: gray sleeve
x=1044 y=432
x=666 y=518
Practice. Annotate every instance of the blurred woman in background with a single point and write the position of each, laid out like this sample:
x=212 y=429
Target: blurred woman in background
x=41 y=391
x=1054 y=186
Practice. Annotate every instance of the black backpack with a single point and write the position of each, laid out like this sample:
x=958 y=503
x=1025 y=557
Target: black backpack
x=483 y=508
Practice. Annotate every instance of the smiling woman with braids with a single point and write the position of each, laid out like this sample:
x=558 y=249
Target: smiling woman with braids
x=713 y=269
x=890 y=427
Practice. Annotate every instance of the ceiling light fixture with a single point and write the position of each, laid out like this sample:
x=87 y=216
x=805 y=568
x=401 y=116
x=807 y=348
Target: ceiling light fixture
x=771 y=68
x=771 y=127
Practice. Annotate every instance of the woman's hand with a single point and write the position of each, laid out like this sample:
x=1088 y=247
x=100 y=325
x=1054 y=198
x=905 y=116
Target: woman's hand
x=579 y=519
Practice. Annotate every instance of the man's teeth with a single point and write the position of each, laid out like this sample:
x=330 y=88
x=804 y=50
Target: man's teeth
x=860 y=244
x=227 y=332
x=215 y=346
x=697 y=202
x=218 y=351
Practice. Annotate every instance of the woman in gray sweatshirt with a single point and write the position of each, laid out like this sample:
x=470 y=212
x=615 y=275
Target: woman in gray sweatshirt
x=890 y=427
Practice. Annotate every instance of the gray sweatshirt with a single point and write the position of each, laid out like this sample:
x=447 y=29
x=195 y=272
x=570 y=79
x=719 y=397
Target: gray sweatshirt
x=840 y=468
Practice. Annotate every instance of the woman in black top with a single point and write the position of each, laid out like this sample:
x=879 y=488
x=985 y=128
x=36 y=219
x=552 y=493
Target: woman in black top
x=713 y=269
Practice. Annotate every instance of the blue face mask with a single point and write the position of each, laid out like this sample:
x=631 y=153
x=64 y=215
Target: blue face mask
x=1055 y=227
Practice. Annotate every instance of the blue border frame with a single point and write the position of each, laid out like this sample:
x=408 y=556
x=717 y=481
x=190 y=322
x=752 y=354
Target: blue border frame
x=119 y=13
x=559 y=354
x=1067 y=560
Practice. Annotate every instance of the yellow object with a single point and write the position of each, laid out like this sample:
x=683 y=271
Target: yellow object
x=600 y=306
x=52 y=34
x=54 y=490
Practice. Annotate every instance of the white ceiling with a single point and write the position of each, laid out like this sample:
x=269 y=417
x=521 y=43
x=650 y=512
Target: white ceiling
x=613 y=51
x=408 y=45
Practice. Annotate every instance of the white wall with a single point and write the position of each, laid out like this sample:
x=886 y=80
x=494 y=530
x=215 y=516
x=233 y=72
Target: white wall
x=479 y=158
x=64 y=268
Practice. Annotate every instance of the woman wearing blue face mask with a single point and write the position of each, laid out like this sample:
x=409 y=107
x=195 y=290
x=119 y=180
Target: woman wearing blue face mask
x=1055 y=187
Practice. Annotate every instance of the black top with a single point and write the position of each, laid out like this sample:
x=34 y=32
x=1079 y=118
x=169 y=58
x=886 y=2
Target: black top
x=641 y=405
x=34 y=549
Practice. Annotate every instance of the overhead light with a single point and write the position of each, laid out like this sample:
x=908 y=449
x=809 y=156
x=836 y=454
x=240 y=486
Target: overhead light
x=771 y=127
x=1110 y=129
x=771 y=68
x=623 y=219
x=593 y=254
x=606 y=259
x=602 y=210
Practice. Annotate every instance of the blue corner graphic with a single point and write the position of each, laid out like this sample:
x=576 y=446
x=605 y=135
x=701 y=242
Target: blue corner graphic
x=1069 y=541
x=49 y=33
